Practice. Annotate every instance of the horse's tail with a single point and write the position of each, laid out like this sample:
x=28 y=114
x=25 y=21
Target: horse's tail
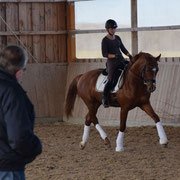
x=71 y=96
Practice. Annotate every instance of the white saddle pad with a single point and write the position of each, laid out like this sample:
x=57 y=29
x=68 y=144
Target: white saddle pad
x=101 y=81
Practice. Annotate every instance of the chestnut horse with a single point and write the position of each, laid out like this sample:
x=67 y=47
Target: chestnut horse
x=139 y=83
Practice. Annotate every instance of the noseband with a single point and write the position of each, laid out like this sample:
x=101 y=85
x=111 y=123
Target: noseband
x=143 y=72
x=152 y=69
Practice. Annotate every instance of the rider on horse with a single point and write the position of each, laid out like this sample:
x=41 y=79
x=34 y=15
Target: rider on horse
x=111 y=49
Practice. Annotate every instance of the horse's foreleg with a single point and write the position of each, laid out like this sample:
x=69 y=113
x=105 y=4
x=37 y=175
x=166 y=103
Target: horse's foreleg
x=100 y=130
x=162 y=135
x=120 y=137
x=103 y=135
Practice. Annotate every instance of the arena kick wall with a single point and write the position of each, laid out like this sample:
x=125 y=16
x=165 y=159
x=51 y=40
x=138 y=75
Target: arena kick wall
x=165 y=100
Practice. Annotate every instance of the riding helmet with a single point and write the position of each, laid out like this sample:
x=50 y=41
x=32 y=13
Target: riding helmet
x=111 y=24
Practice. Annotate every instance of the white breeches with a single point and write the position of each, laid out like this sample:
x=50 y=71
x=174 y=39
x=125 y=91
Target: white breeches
x=101 y=131
x=161 y=133
x=119 y=141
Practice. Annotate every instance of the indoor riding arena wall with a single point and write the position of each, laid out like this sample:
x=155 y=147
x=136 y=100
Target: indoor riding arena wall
x=40 y=26
x=165 y=100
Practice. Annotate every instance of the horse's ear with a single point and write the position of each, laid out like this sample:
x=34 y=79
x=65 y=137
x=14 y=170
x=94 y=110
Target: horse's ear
x=158 y=58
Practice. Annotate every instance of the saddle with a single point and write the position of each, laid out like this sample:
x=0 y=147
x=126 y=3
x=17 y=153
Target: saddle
x=103 y=78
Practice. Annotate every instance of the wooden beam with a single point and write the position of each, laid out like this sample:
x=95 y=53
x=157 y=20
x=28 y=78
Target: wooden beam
x=154 y=28
x=71 y=49
x=37 y=1
x=52 y=1
x=31 y=33
x=134 y=23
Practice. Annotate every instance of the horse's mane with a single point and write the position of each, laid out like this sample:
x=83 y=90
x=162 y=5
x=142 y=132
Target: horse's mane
x=137 y=56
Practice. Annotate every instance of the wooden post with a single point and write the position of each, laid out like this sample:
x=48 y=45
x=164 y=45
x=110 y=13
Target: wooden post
x=71 y=51
x=134 y=23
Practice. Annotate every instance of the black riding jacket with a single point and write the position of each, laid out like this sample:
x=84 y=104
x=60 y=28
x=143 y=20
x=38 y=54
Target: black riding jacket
x=18 y=144
x=113 y=47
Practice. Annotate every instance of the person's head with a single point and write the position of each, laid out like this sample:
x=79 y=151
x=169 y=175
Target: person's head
x=111 y=26
x=13 y=59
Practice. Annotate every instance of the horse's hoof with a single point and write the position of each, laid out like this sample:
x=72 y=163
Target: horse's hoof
x=119 y=149
x=107 y=142
x=164 y=145
x=82 y=145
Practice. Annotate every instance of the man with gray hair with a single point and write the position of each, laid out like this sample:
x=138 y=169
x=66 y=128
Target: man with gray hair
x=18 y=143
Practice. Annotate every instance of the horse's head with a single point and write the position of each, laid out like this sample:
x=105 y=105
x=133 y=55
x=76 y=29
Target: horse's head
x=149 y=71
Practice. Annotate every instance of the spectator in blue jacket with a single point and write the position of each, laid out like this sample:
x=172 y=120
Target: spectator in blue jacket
x=18 y=143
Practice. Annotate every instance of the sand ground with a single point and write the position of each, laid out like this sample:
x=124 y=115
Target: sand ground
x=143 y=158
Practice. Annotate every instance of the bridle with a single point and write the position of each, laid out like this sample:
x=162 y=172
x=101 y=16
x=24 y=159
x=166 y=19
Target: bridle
x=153 y=70
x=143 y=73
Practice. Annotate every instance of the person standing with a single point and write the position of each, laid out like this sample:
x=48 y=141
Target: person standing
x=18 y=143
x=111 y=49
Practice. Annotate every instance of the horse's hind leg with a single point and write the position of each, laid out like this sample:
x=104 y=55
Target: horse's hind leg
x=162 y=135
x=86 y=132
x=91 y=118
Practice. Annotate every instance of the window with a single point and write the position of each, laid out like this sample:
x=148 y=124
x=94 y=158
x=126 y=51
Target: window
x=156 y=42
x=89 y=45
x=93 y=15
x=158 y=13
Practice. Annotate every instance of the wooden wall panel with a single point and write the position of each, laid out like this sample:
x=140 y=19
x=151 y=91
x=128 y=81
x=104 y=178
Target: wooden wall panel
x=49 y=25
x=38 y=24
x=62 y=39
x=57 y=43
x=12 y=17
x=165 y=100
x=25 y=23
x=40 y=21
x=3 y=39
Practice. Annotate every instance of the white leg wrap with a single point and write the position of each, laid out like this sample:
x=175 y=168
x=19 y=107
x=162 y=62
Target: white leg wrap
x=119 y=141
x=86 y=133
x=101 y=131
x=161 y=133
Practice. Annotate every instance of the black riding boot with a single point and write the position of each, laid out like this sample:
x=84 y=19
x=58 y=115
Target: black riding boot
x=105 y=95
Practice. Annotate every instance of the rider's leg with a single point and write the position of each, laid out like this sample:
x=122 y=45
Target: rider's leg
x=111 y=65
x=106 y=93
